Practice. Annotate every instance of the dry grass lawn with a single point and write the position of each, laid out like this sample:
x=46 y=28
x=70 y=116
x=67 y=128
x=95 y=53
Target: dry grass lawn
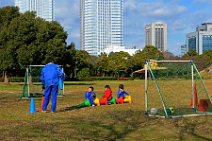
x=124 y=122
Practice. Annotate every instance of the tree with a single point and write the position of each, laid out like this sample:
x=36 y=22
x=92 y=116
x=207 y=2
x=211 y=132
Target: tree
x=92 y=64
x=6 y=58
x=81 y=60
x=102 y=64
x=7 y=14
x=84 y=73
x=118 y=63
x=149 y=52
x=69 y=61
x=202 y=61
x=27 y=39
x=169 y=56
x=189 y=54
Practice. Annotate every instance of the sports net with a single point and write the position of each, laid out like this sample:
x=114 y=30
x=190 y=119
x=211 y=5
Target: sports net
x=175 y=89
x=32 y=84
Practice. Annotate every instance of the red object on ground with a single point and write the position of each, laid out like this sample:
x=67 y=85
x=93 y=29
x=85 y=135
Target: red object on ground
x=103 y=101
x=120 y=100
x=195 y=98
x=204 y=105
x=40 y=110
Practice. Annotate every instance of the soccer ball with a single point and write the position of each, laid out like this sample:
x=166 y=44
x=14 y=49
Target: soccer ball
x=170 y=110
x=153 y=111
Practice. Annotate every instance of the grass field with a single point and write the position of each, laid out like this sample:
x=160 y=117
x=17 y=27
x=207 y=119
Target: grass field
x=125 y=122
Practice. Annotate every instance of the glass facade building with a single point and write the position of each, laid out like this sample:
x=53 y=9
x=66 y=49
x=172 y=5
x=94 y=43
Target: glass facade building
x=43 y=8
x=183 y=49
x=192 y=43
x=101 y=25
x=207 y=42
x=201 y=39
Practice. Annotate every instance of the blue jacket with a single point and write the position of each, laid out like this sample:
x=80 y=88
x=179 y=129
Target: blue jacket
x=50 y=74
x=121 y=93
x=89 y=95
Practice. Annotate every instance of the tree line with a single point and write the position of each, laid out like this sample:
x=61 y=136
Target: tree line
x=26 y=39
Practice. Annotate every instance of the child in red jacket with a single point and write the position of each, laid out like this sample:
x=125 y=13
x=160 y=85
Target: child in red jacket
x=107 y=95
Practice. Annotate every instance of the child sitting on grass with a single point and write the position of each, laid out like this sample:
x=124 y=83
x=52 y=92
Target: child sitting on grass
x=121 y=94
x=90 y=95
x=107 y=96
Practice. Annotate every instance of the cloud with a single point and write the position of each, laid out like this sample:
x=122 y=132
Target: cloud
x=130 y=5
x=161 y=10
x=68 y=14
x=138 y=13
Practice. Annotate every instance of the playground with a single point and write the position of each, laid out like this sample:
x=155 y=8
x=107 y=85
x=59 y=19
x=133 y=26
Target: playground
x=108 y=122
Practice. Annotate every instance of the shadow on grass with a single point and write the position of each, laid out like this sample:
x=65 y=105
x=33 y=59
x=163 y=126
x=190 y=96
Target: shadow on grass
x=131 y=123
x=185 y=126
x=113 y=126
x=66 y=83
x=70 y=108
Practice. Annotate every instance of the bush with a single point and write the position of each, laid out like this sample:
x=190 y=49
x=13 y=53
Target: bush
x=98 y=78
x=84 y=74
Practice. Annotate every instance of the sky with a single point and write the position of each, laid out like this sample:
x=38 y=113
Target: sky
x=181 y=16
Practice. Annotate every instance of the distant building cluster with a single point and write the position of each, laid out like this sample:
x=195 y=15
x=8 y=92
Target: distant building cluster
x=43 y=8
x=201 y=39
x=101 y=27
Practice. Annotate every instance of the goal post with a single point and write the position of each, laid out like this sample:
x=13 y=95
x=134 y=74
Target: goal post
x=175 y=88
x=32 y=84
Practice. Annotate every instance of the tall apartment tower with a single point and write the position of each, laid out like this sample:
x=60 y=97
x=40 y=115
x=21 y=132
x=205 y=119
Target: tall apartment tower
x=43 y=8
x=101 y=25
x=156 y=35
x=201 y=39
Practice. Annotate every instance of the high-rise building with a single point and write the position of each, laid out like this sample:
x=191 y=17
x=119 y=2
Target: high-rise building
x=101 y=25
x=156 y=35
x=43 y=8
x=201 y=39
x=183 y=50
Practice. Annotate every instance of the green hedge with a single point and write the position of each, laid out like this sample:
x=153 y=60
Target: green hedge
x=16 y=79
x=98 y=78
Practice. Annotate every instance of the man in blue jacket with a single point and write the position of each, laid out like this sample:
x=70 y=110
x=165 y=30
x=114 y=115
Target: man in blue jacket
x=50 y=75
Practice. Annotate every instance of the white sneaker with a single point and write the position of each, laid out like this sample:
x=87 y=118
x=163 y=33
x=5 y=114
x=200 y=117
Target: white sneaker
x=93 y=105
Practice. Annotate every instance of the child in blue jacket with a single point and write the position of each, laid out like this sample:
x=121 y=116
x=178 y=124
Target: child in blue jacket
x=121 y=92
x=90 y=95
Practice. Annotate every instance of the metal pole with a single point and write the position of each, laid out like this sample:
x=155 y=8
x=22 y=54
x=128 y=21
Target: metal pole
x=27 y=73
x=170 y=61
x=192 y=84
x=146 y=79
x=63 y=82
